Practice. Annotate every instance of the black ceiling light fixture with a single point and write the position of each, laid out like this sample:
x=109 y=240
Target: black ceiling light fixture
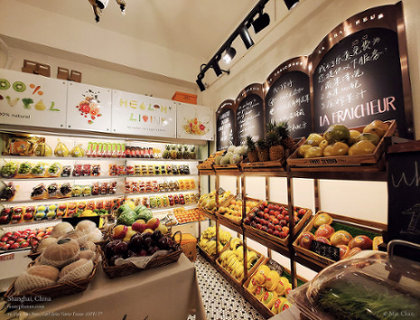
x=227 y=51
x=290 y=4
x=229 y=55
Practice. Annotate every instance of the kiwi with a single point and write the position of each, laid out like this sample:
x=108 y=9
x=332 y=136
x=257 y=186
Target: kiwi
x=19 y=86
x=4 y=84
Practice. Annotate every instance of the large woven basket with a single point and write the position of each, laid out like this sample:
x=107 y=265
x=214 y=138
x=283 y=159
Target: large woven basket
x=56 y=290
x=130 y=268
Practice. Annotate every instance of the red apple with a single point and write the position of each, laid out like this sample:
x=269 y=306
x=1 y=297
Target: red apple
x=4 y=239
x=362 y=242
x=306 y=239
x=119 y=231
x=7 y=234
x=153 y=223
x=340 y=237
x=343 y=250
x=139 y=226
x=14 y=246
x=10 y=242
x=324 y=231
x=24 y=244
x=322 y=239
x=6 y=246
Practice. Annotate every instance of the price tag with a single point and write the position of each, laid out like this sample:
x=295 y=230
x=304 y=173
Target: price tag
x=325 y=250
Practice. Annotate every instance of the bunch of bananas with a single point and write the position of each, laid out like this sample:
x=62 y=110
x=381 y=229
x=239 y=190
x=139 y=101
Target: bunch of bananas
x=208 y=201
x=232 y=259
x=208 y=240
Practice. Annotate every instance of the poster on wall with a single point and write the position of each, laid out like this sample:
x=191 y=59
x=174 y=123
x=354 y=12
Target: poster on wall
x=32 y=100
x=225 y=125
x=142 y=115
x=88 y=107
x=194 y=122
x=360 y=72
x=287 y=97
x=250 y=113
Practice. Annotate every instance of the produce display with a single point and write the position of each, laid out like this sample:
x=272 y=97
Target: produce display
x=22 y=214
x=67 y=255
x=185 y=216
x=208 y=240
x=149 y=170
x=22 y=145
x=23 y=239
x=273 y=218
x=338 y=140
x=162 y=186
x=208 y=163
x=275 y=147
x=208 y=201
x=7 y=191
x=168 y=200
x=271 y=288
x=233 y=210
x=232 y=259
x=346 y=238
x=233 y=155
x=179 y=152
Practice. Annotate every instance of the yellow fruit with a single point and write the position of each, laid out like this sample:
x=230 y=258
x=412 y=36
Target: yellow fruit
x=314 y=139
x=313 y=152
x=303 y=148
x=354 y=136
x=88 y=213
x=336 y=133
x=40 y=106
x=376 y=127
x=361 y=148
x=61 y=150
x=369 y=137
x=337 y=149
x=323 y=144
x=162 y=228
x=78 y=151
x=322 y=218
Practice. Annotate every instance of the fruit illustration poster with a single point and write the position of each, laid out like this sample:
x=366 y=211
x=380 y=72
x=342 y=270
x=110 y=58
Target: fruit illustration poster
x=194 y=122
x=88 y=107
x=141 y=115
x=32 y=100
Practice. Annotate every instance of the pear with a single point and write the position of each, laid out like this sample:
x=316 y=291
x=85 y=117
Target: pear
x=43 y=150
x=78 y=151
x=61 y=150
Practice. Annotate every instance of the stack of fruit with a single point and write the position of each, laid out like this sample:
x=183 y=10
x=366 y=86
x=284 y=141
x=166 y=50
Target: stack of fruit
x=233 y=210
x=342 y=239
x=185 y=216
x=23 y=239
x=270 y=288
x=338 y=140
x=208 y=163
x=208 y=240
x=232 y=260
x=179 y=152
x=233 y=155
x=208 y=201
x=273 y=218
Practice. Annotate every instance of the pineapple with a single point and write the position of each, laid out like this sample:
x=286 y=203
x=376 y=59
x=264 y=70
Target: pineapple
x=186 y=153
x=272 y=138
x=193 y=153
x=284 y=134
x=165 y=154
x=179 y=152
x=173 y=152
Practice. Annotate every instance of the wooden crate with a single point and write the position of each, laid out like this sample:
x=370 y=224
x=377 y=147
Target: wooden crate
x=274 y=239
x=230 y=169
x=250 y=271
x=273 y=265
x=224 y=220
x=363 y=225
x=371 y=160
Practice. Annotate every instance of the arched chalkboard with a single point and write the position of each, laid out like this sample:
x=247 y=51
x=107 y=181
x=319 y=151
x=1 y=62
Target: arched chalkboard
x=225 y=121
x=358 y=74
x=287 y=97
x=250 y=113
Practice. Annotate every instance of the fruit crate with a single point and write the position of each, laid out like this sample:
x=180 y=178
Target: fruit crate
x=211 y=258
x=229 y=276
x=373 y=161
x=265 y=236
x=283 y=272
x=229 y=169
x=212 y=215
x=226 y=221
x=354 y=226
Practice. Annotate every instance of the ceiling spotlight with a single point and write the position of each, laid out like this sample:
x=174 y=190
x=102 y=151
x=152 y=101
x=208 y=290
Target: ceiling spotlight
x=200 y=83
x=261 y=22
x=246 y=38
x=290 y=4
x=216 y=68
x=102 y=4
x=229 y=54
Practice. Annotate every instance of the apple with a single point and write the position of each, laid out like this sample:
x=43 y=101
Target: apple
x=285 y=230
x=322 y=239
x=147 y=231
x=139 y=225
x=119 y=231
x=20 y=240
x=14 y=246
x=130 y=232
x=340 y=237
x=324 y=230
x=306 y=239
x=153 y=223
x=6 y=246
x=10 y=242
x=276 y=233
x=343 y=250
x=301 y=212
x=265 y=229
x=352 y=252
x=4 y=239
x=7 y=234
x=362 y=242
x=270 y=231
x=24 y=244
x=322 y=218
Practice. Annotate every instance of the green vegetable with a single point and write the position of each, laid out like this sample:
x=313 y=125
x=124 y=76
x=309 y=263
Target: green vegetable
x=143 y=213
x=127 y=217
x=25 y=168
x=27 y=102
x=122 y=208
x=9 y=169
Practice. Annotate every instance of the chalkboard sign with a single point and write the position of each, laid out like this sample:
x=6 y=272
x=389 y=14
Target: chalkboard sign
x=404 y=192
x=225 y=121
x=287 y=97
x=359 y=73
x=250 y=113
x=325 y=250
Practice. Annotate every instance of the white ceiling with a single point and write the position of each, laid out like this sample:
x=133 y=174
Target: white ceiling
x=194 y=27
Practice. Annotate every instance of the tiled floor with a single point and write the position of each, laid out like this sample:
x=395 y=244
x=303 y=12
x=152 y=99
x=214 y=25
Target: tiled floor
x=221 y=300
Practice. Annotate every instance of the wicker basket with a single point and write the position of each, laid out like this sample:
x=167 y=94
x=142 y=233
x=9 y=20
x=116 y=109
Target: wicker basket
x=130 y=268
x=56 y=290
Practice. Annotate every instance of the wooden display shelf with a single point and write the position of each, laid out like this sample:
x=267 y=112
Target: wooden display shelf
x=210 y=259
x=283 y=250
x=310 y=257
x=228 y=170
x=207 y=214
x=206 y=172
x=360 y=174
x=350 y=163
x=266 y=166
x=229 y=223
